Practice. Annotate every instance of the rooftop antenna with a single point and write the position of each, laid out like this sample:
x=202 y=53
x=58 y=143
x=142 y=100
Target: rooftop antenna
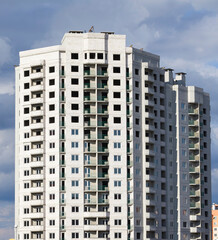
x=91 y=29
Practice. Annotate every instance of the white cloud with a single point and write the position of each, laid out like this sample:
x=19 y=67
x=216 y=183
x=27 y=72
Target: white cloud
x=6 y=86
x=6 y=220
x=5 y=50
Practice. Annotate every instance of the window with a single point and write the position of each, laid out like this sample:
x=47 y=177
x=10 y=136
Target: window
x=74 y=94
x=116 y=82
x=117 y=107
x=75 y=183
x=51 y=82
x=74 y=119
x=117 y=209
x=74 y=81
x=52 y=120
x=116 y=94
x=100 y=55
x=26 y=223
x=26 y=73
x=117 y=132
x=51 y=107
x=26 y=123
x=137 y=96
x=117 y=222
x=26 y=236
x=26 y=210
x=52 y=171
x=51 y=132
x=117 y=158
x=52 y=145
x=75 y=209
x=116 y=57
x=52 y=158
x=117 y=145
x=26 y=160
x=51 y=69
x=183 y=129
x=117 y=170
x=75 y=144
x=26 y=98
x=75 y=196
x=74 y=106
x=26 y=147
x=51 y=94
x=74 y=56
x=26 y=110
x=183 y=117
x=117 y=120
x=137 y=121
x=92 y=55
x=26 y=85
x=74 y=68
x=26 y=135
x=74 y=157
x=136 y=71
x=74 y=131
x=183 y=106
x=75 y=235
x=116 y=69
x=117 y=183
x=51 y=222
x=75 y=170
x=117 y=235
x=117 y=196
x=51 y=235
x=75 y=222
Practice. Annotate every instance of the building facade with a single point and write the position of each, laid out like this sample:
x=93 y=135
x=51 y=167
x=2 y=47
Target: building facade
x=109 y=145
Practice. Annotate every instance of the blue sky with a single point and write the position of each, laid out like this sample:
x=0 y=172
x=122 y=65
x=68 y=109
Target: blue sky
x=183 y=32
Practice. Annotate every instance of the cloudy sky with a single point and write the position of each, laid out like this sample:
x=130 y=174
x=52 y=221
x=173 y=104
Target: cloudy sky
x=183 y=32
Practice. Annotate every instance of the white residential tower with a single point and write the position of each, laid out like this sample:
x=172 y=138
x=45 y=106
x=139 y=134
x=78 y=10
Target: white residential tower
x=109 y=145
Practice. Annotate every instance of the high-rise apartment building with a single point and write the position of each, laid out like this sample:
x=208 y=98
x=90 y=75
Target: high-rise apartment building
x=109 y=145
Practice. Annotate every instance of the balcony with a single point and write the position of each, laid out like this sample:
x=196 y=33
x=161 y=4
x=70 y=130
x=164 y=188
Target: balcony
x=90 y=188
x=103 y=162
x=195 y=205
x=194 y=169
x=194 y=145
x=102 y=98
x=103 y=201
x=194 y=193
x=102 y=85
x=102 y=111
x=90 y=175
x=89 y=111
x=194 y=181
x=90 y=201
x=90 y=149
x=103 y=175
x=193 y=122
x=103 y=136
x=102 y=73
x=103 y=149
x=128 y=87
x=89 y=72
x=103 y=188
x=193 y=111
x=193 y=157
x=102 y=124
